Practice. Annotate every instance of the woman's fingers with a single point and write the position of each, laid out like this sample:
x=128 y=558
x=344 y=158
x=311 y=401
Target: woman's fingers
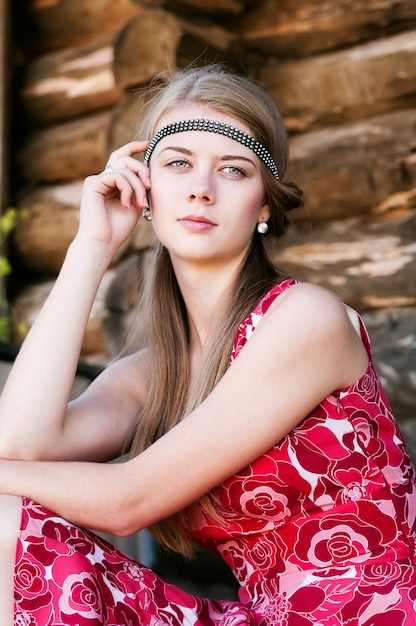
x=123 y=162
x=111 y=206
x=113 y=200
x=129 y=149
x=128 y=182
x=124 y=158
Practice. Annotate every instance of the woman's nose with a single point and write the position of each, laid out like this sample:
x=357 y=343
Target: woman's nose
x=202 y=188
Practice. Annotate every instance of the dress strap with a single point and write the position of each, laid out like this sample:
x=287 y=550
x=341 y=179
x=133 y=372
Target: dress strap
x=271 y=295
x=248 y=325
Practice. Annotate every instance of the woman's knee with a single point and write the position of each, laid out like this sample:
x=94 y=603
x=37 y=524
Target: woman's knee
x=10 y=515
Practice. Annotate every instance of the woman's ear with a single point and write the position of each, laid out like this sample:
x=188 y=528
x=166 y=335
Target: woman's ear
x=265 y=213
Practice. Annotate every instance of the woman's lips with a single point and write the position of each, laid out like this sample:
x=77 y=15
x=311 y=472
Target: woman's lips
x=196 y=223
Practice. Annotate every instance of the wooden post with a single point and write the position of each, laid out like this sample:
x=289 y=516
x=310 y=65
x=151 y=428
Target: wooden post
x=4 y=137
x=4 y=96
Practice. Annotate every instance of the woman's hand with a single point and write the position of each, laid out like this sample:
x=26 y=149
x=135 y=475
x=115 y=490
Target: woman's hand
x=113 y=200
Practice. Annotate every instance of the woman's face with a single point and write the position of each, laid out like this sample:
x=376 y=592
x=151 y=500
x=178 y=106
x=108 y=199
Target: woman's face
x=207 y=192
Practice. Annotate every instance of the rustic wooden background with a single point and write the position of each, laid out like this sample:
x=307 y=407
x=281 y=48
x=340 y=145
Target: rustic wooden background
x=344 y=76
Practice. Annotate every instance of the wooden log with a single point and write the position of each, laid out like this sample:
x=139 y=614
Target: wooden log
x=76 y=148
x=346 y=170
x=409 y=168
x=31 y=299
x=65 y=152
x=354 y=83
x=42 y=238
x=157 y=40
x=59 y=24
x=145 y=47
x=68 y=83
x=370 y=263
x=304 y=28
x=124 y=122
x=215 y=7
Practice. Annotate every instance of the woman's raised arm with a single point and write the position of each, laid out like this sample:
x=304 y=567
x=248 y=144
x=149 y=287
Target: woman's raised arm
x=33 y=405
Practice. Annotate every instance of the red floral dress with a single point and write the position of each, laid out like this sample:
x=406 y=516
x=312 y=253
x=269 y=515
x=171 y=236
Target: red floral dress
x=320 y=530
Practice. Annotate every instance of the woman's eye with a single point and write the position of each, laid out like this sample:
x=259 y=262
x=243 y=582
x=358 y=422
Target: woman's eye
x=179 y=164
x=233 y=170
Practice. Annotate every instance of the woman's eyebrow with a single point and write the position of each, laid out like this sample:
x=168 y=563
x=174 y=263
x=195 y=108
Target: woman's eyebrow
x=239 y=157
x=226 y=157
x=176 y=149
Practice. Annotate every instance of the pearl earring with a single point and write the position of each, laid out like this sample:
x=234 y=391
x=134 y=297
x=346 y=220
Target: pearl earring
x=262 y=227
x=147 y=214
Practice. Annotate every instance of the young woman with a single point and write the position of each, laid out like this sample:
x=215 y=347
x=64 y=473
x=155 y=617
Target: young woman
x=255 y=419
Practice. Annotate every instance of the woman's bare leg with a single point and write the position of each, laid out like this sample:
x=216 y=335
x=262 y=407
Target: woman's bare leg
x=10 y=514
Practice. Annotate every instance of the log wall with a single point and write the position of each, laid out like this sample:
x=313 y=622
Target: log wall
x=344 y=76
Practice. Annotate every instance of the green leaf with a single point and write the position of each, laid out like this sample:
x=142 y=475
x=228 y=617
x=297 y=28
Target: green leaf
x=5 y=267
x=9 y=220
x=4 y=328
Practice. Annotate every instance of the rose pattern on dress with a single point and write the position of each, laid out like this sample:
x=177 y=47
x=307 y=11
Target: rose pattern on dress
x=320 y=530
x=233 y=555
x=81 y=599
x=30 y=583
x=24 y=619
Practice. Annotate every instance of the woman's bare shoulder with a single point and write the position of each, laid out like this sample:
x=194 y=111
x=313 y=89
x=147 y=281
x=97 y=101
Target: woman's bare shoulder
x=310 y=304
x=319 y=319
x=131 y=373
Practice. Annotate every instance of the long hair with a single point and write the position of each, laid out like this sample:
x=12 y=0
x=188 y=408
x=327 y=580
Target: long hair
x=163 y=311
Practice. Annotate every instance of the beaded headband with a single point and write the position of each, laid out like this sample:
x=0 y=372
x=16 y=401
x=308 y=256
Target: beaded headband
x=212 y=126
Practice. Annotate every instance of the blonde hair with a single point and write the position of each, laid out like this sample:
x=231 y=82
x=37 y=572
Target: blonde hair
x=170 y=397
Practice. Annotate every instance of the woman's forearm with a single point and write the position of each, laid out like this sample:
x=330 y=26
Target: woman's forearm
x=86 y=494
x=33 y=402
